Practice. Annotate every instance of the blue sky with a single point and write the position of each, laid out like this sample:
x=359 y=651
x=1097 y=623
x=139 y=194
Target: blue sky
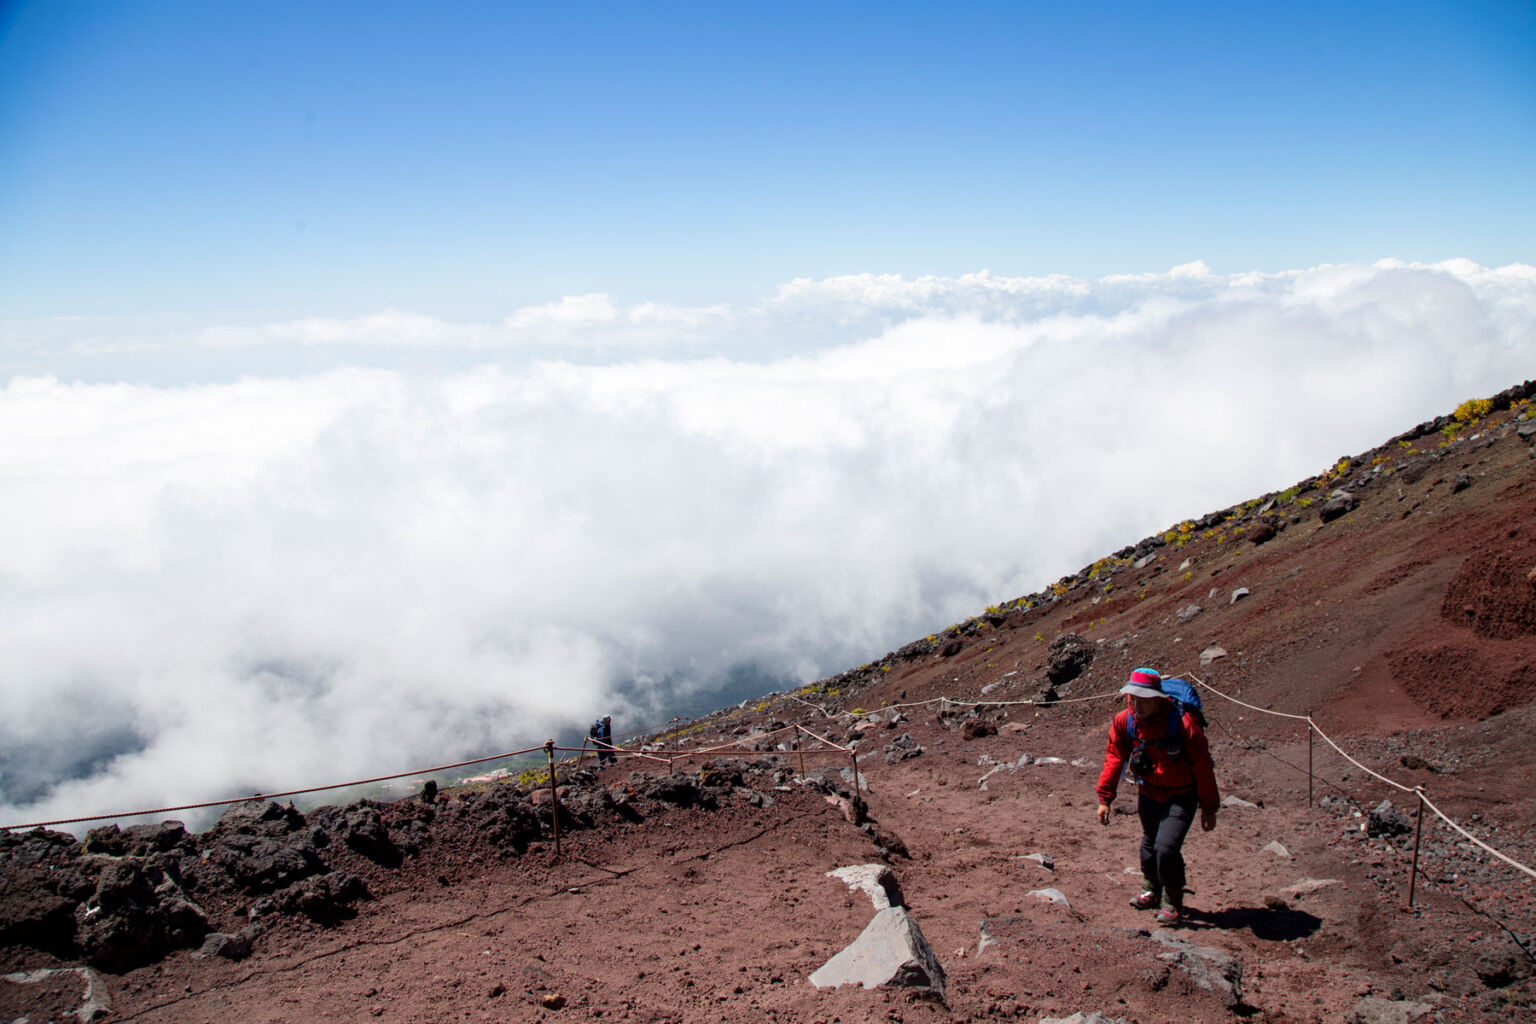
x=385 y=384
x=234 y=162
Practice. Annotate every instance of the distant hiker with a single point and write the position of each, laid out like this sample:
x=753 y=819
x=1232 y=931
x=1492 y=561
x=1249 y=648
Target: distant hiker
x=602 y=738
x=1170 y=760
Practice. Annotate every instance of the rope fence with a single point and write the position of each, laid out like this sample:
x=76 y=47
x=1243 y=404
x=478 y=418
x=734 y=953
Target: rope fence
x=266 y=796
x=1417 y=791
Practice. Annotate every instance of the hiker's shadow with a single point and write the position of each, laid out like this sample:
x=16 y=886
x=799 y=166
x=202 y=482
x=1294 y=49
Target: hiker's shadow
x=1269 y=925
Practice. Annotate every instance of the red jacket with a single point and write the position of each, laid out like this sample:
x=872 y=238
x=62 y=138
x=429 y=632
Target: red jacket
x=1171 y=776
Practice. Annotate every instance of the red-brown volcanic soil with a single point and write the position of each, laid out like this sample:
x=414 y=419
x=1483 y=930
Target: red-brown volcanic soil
x=1406 y=627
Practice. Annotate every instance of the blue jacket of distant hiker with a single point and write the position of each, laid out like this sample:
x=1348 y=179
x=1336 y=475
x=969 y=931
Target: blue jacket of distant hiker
x=1172 y=775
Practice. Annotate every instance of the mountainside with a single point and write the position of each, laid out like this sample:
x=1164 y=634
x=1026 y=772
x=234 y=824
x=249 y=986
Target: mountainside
x=1392 y=598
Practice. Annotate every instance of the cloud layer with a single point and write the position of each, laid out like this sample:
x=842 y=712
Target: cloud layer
x=220 y=587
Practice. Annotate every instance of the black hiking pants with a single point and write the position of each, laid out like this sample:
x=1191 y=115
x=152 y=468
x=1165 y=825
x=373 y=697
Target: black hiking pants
x=1164 y=824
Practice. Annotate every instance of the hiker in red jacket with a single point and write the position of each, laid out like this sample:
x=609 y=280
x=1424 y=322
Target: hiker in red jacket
x=1171 y=763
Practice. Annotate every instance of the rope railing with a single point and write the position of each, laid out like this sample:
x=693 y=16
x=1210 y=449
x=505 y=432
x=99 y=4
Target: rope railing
x=268 y=796
x=1472 y=838
x=1417 y=791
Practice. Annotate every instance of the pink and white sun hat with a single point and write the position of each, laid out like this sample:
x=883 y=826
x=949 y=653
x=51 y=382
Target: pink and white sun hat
x=1144 y=682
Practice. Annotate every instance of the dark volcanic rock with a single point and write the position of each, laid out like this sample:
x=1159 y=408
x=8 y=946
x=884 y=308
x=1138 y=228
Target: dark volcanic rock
x=361 y=828
x=901 y=748
x=324 y=898
x=1339 y=505
x=680 y=789
x=1068 y=657
x=503 y=816
x=136 y=916
x=1386 y=820
x=30 y=915
x=263 y=847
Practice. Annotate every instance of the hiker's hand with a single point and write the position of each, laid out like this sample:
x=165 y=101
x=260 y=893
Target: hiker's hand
x=1207 y=820
x=1103 y=814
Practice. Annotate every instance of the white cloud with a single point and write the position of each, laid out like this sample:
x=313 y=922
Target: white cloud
x=278 y=582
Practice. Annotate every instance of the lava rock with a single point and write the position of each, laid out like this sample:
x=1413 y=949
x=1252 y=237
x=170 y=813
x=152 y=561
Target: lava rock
x=902 y=748
x=1068 y=657
x=136 y=916
x=976 y=728
x=1386 y=820
x=1341 y=504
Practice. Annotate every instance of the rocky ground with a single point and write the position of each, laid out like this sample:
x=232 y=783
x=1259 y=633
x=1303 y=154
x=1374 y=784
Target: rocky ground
x=1393 y=598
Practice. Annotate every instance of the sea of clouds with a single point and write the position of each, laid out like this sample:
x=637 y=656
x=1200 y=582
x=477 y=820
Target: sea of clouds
x=259 y=582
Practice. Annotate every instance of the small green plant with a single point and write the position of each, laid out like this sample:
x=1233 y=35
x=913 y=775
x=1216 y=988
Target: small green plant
x=1039 y=638
x=1187 y=576
x=531 y=778
x=1472 y=410
x=1288 y=495
x=1450 y=430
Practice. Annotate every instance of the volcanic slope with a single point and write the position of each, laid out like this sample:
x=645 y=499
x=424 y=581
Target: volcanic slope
x=1392 y=598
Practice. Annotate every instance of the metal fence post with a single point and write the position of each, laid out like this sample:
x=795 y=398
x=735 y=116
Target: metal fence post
x=1418 y=830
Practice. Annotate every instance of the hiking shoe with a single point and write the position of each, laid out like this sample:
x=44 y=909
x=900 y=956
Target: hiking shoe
x=1170 y=916
x=1146 y=901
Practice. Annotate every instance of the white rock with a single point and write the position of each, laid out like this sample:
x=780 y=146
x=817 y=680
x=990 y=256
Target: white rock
x=1055 y=896
x=1210 y=654
x=1278 y=850
x=877 y=881
x=891 y=950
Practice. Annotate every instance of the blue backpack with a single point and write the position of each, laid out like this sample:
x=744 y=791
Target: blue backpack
x=1186 y=697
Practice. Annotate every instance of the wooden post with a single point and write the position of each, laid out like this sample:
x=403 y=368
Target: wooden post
x=1418 y=830
x=853 y=759
x=800 y=753
x=1309 y=760
x=554 y=794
